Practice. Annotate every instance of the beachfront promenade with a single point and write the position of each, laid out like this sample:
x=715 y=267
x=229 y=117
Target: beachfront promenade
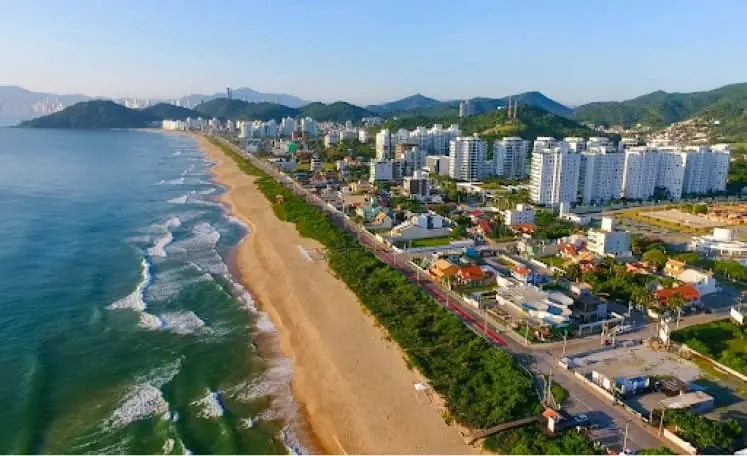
x=538 y=360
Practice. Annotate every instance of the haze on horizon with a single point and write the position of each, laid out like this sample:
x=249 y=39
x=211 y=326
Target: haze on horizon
x=573 y=51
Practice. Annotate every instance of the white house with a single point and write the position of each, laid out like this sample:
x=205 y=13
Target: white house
x=421 y=226
x=522 y=215
x=703 y=281
x=721 y=243
x=607 y=241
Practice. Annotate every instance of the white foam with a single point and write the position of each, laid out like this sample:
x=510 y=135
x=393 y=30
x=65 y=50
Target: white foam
x=180 y=199
x=275 y=381
x=159 y=246
x=246 y=423
x=150 y=321
x=182 y=322
x=173 y=222
x=143 y=402
x=176 y=154
x=210 y=406
x=135 y=300
x=168 y=446
x=209 y=191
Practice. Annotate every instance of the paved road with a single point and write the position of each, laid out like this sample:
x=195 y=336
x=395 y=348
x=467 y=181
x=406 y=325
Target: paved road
x=583 y=399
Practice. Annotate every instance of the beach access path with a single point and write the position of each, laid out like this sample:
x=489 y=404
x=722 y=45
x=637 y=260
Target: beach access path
x=357 y=393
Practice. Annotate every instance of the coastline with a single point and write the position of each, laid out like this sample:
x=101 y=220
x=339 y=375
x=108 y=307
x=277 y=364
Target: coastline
x=355 y=390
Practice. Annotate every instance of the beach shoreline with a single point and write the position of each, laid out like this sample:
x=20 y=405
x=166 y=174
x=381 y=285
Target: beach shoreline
x=354 y=388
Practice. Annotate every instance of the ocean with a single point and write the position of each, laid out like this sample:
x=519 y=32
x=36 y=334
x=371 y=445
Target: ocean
x=122 y=329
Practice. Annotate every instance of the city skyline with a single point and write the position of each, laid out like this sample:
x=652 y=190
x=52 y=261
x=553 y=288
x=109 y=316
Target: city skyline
x=575 y=53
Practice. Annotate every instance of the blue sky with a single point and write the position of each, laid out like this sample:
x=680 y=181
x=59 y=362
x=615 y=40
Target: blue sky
x=366 y=52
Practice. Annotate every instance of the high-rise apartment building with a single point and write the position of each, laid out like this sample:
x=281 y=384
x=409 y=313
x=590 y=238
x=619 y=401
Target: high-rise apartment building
x=511 y=158
x=600 y=176
x=554 y=175
x=467 y=157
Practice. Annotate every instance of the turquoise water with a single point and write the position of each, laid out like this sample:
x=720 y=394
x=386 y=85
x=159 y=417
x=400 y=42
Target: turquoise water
x=121 y=328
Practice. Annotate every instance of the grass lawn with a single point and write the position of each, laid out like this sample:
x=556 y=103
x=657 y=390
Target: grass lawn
x=431 y=242
x=552 y=260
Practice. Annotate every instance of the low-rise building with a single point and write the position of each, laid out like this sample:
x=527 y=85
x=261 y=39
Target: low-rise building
x=622 y=384
x=443 y=270
x=417 y=186
x=421 y=226
x=701 y=280
x=693 y=401
x=607 y=241
x=472 y=275
x=546 y=308
x=437 y=164
x=522 y=215
x=722 y=243
x=688 y=292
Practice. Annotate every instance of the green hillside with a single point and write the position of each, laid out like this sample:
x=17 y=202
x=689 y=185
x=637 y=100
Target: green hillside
x=224 y=108
x=417 y=101
x=483 y=105
x=93 y=114
x=531 y=123
x=169 y=111
x=339 y=111
x=727 y=104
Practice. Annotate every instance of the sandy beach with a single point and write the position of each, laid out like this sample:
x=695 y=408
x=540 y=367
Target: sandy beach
x=357 y=393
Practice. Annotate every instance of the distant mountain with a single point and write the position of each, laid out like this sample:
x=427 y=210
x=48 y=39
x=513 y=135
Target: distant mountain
x=482 y=105
x=93 y=114
x=417 y=101
x=532 y=122
x=223 y=108
x=339 y=111
x=17 y=104
x=169 y=111
x=727 y=104
x=245 y=94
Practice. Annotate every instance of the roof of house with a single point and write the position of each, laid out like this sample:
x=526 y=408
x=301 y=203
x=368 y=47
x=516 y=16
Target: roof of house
x=471 y=272
x=476 y=213
x=443 y=267
x=485 y=226
x=687 y=291
x=550 y=413
x=520 y=269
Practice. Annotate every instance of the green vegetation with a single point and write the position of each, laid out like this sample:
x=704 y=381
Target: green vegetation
x=349 y=148
x=559 y=393
x=553 y=260
x=548 y=226
x=410 y=103
x=703 y=433
x=481 y=386
x=531 y=440
x=662 y=450
x=334 y=112
x=429 y=242
x=223 y=108
x=656 y=258
x=737 y=175
x=661 y=108
x=94 y=114
x=721 y=340
x=532 y=122
x=169 y=111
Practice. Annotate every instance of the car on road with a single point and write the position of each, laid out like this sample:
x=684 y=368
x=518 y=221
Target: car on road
x=581 y=420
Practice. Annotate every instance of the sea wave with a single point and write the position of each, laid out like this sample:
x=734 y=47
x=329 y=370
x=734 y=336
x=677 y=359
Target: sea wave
x=209 y=406
x=182 y=322
x=144 y=401
x=159 y=246
x=136 y=300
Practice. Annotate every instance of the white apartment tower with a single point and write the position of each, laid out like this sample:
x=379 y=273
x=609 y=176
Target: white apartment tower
x=554 y=175
x=467 y=157
x=600 y=176
x=706 y=169
x=640 y=172
x=384 y=146
x=467 y=108
x=671 y=173
x=510 y=157
x=575 y=144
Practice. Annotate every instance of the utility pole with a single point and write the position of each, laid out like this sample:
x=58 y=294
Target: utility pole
x=625 y=439
x=679 y=316
x=526 y=334
x=485 y=309
x=661 y=421
x=565 y=341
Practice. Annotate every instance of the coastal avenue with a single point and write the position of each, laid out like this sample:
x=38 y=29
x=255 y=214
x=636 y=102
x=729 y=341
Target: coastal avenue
x=612 y=419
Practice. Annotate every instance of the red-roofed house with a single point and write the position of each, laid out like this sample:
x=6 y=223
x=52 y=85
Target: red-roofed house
x=688 y=292
x=473 y=275
x=521 y=273
x=485 y=227
x=475 y=215
x=527 y=228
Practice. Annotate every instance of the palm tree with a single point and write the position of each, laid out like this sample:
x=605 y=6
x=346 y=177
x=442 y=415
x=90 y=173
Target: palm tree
x=676 y=302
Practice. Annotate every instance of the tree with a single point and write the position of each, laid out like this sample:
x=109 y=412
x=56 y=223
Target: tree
x=656 y=258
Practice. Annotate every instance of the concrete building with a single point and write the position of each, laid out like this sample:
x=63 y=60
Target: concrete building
x=693 y=401
x=511 y=158
x=545 y=142
x=575 y=144
x=316 y=164
x=383 y=170
x=607 y=241
x=417 y=186
x=551 y=308
x=601 y=172
x=671 y=172
x=467 y=157
x=384 y=146
x=437 y=164
x=640 y=172
x=722 y=243
x=554 y=174
x=421 y=226
x=362 y=135
x=287 y=126
x=522 y=215
x=331 y=138
x=308 y=126
x=467 y=108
